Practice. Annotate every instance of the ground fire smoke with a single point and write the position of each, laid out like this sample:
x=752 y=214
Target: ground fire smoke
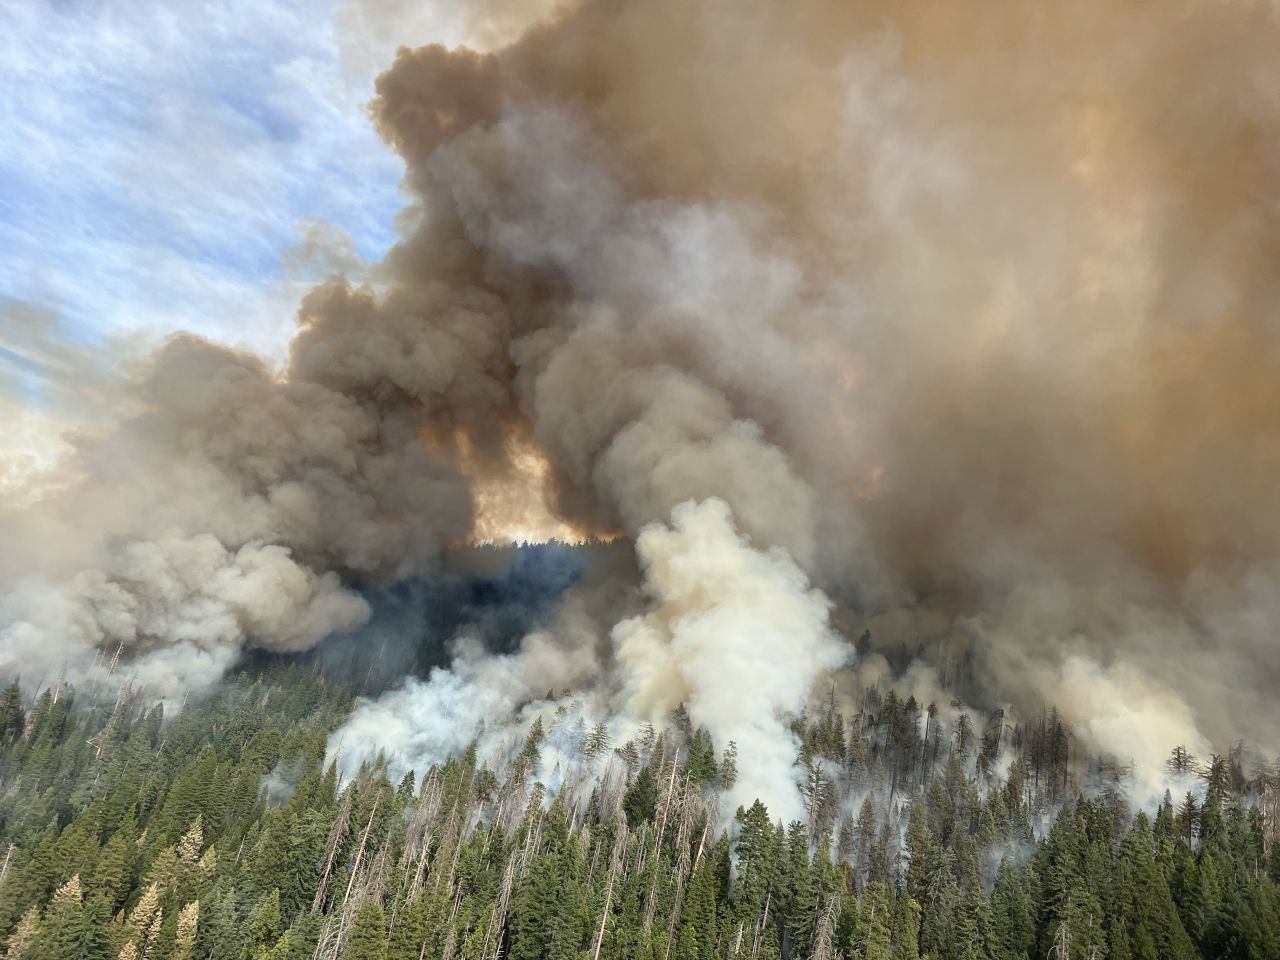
x=958 y=318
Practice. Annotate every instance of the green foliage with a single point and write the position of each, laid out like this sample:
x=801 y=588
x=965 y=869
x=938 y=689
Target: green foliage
x=145 y=837
x=368 y=935
x=638 y=803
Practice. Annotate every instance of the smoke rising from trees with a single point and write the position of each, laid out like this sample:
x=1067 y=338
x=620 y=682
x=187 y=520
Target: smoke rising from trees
x=960 y=321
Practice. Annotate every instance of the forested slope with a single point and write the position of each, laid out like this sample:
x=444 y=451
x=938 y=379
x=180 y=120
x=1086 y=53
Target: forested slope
x=222 y=833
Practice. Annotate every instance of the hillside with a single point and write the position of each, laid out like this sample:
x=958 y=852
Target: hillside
x=223 y=834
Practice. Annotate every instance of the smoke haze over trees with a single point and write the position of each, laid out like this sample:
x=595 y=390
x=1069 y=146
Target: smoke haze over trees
x=221 y=833
x=874 y=347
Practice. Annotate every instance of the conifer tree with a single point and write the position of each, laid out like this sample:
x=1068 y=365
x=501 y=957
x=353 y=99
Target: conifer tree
x=757 y=863
x=1011 y=932
x=144 y=920
x=875 y=936
x=798 y=900
x=12 y=719
x=71 y=929
x=906 y=927
x=113 y=874
x=264 y=927
x=640 y=799
x=409 y=932
x=921 y=854
x=474 y=860
x=184 y=940
x=1144 y=920
x=597 y=741
x=368 y=934
x=698 y=917
x=24 y=935
x=728 y=770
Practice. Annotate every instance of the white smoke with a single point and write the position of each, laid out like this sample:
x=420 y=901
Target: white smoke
x=971 y=337
x=178 y=610
x=734 y=633
x=737 y=635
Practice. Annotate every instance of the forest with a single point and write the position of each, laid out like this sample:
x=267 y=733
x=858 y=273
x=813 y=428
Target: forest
x=667 y=347
x=223 y=832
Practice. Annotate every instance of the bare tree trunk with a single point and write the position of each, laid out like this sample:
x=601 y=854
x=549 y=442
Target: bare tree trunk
x=337 y=833
x=615 y=861
x=364 y=838
x=651 y=905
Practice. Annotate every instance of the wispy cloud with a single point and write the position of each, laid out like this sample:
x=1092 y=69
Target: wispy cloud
x=187 y=166
x=157 y=161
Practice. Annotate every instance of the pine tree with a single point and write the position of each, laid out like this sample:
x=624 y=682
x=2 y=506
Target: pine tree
x=848 y=927
x=185 y=936
x=12 y=719
x=192 y=842
x=530 y=920
x=220 y=933
x=864 y=835
x=597 y=742
x=968 y=926
x=1180 y=761
x=875 y=941
x=474 y=864
x=70 y=929
x=922 y=855
x=409 y=931
x=24 y=935
x=729 y=767
x=697 y=939
x=1011 y=932
x=141 y=927
x=368 y=940
x=906 y=927
x=757 y=863
x=798 y=899
x=640 y=799
x=1144 y=917
x=529 y=752
x=1189 y=817
x=701 y=764
x=264 y=927
x=113 y=875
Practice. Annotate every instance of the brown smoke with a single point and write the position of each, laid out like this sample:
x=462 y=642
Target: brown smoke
x=1008 y=267
x=966 y=308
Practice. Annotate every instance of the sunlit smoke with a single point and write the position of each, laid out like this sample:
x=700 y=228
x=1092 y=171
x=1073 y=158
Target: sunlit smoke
x=512 y=506
x=954 y=324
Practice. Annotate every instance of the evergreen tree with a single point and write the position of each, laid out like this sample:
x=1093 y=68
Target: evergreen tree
x=697 y=939
x=177 y=853
x=1144 y=920
x=906 y=927
x=875 y=939
x=24 y=935
x=1011 y=932
x=798 y=900
x=184 y=940
x=114 y=873
x=264 y=927
x=71 y=929
x=640 y=799
x=368 y=940
x=729 y=766
x=758 y=857
x=12 y=718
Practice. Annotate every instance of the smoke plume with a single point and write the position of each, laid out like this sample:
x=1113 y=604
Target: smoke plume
x=959 y=320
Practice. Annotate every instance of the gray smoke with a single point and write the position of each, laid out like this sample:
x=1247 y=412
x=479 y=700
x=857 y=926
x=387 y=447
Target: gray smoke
x=961 y=320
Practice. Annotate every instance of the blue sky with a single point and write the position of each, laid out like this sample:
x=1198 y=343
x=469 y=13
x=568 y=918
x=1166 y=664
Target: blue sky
x=157 y=160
